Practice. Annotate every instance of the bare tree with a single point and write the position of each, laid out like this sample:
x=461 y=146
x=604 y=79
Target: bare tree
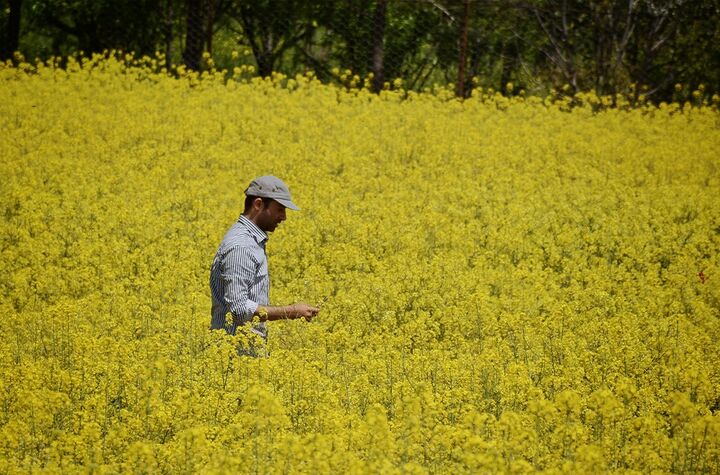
x=589 y=43
x=271 y=28
x=653 y=32
x=556 y=22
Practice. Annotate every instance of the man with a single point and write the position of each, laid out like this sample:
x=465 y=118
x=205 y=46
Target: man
x=239 y=279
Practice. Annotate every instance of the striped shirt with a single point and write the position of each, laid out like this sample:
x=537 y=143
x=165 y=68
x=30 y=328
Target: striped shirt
x=239 y=279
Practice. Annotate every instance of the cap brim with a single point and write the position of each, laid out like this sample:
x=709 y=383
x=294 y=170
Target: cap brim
x=288 y=204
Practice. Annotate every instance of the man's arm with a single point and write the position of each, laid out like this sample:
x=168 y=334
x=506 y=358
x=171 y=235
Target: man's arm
x=287 y=312
x=239 y=272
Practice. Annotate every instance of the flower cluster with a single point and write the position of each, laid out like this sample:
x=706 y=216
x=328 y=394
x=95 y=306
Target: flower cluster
x=509 y=284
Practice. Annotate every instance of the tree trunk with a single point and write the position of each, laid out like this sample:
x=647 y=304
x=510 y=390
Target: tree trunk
x=168 y=20
x=210 y=21
x=261 y=40
x=195 y=37
x=509 y=59
x=12 y=40
x=356 y=62
x=266 y=62
x=378 y=50
x=462 y=50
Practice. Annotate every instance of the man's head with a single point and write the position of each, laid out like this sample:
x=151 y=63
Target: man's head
x=266 y=200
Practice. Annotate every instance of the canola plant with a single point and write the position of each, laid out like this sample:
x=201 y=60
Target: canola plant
x=509 y=284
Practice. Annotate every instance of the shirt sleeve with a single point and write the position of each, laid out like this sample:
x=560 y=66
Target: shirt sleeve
x=239 y=270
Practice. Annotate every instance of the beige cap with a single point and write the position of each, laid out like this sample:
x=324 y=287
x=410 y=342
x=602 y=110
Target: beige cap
x=269 y=186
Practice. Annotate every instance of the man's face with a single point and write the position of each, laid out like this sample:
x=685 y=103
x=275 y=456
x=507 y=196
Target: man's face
x=270 y=215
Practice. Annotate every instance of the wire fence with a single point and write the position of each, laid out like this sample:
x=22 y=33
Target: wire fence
x=660 y=48
x=511 y=46
x=384 y=43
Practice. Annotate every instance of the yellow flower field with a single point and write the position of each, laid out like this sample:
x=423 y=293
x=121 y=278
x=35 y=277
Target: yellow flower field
x=509 y=285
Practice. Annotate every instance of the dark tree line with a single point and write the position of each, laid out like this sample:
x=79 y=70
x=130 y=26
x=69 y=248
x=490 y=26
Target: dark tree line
x=625 y=46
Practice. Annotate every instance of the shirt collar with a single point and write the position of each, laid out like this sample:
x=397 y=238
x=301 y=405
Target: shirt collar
x=256 y=232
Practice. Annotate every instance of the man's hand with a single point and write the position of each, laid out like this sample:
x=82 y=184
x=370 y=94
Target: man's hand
x=303 y=310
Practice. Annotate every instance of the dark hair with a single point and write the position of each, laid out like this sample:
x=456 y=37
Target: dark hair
x=249 y=201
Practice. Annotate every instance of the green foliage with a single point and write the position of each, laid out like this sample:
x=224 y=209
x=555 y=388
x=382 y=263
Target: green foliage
x=93 y=26
x=638 y=48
